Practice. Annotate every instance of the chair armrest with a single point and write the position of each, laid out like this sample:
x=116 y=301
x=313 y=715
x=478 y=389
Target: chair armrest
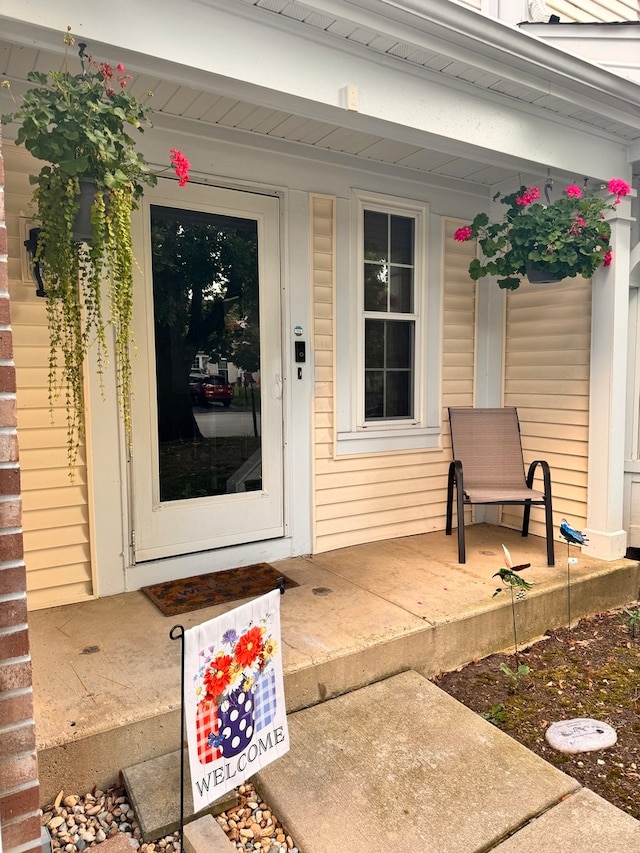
x=455 y=475
x=546 y=475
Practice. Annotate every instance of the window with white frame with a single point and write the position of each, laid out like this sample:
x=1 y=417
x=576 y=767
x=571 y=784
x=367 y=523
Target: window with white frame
x=388 y=327
x=389 y=315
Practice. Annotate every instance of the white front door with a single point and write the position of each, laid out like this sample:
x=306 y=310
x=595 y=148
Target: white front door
x=207 y=449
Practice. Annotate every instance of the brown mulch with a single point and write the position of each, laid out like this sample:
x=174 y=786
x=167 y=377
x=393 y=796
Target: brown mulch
x=592 y=670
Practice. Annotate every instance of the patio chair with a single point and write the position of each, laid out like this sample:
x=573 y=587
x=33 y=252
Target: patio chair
x=488 y=468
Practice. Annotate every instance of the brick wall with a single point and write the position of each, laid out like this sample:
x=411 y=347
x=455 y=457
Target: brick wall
x=19 y=794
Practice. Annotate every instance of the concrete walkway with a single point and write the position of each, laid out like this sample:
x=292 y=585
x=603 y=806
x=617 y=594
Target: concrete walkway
x=401 y=765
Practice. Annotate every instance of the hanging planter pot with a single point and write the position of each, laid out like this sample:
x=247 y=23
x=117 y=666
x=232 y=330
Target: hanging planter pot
x=539 y=275
x=572 y=230
x=82 y=228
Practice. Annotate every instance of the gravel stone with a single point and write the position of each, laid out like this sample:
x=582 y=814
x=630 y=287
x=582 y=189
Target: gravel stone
x=77 y=823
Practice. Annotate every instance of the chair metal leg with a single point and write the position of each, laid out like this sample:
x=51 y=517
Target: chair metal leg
x=548 y=512
x=462 y=556
x=455 y=479
x=525 y=518
x=450 y=479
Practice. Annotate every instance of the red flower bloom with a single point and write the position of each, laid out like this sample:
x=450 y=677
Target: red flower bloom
x=573 y=191
x=607 y=259
x=218 y=676
x=121 y=68
x=530 y=195
x=463 y=234
x=618 y=187
x=249 y=647
x=181 y=166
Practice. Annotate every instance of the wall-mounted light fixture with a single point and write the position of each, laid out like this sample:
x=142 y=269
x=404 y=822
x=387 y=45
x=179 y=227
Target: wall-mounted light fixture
x=31 y=245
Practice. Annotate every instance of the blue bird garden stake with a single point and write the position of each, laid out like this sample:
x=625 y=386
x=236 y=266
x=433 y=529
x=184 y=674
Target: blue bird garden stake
x=573 y=537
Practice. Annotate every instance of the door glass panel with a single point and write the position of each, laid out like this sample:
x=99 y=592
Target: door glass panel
x=207 y=353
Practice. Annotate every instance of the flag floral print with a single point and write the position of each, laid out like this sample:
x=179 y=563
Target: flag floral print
x=226 y=689
x=234 y=696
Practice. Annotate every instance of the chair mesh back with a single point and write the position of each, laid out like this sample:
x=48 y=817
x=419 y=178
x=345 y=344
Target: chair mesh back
x=487 y=442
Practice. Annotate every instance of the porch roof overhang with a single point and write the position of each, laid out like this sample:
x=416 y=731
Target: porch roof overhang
x=614 y=45
x=439 y=88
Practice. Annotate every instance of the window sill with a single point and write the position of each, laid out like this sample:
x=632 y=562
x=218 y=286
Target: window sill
x=372 y=440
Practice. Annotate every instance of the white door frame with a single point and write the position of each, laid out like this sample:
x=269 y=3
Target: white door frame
x=166 y=529
x=109 y=505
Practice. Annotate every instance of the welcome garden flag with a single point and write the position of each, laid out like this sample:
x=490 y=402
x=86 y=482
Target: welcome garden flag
x=234 y=697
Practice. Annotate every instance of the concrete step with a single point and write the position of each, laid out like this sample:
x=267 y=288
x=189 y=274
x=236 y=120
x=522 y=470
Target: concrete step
x=402 y=765
x=153 y=787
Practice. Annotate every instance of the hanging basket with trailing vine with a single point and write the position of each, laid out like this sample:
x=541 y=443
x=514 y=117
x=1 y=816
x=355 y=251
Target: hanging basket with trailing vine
x=80 y=125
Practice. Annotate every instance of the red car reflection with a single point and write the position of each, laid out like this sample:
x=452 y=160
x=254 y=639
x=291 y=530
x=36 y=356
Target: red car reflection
x=210 y=389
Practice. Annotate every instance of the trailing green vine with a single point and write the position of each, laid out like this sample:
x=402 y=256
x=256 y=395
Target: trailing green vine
x=119 y=257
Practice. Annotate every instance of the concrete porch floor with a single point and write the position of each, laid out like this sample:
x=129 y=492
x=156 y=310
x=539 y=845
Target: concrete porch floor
x=107 y=676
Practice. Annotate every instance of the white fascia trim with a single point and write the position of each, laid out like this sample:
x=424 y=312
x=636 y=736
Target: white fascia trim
x=464 y=25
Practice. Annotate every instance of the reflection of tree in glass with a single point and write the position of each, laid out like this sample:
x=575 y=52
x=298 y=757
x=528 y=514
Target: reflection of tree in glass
x=205 y=269
x=376 y=283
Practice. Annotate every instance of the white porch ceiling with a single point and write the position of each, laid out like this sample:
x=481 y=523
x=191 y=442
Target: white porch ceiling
x=209 y=108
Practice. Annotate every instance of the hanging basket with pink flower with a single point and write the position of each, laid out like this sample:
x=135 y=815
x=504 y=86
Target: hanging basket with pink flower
x=546 y=242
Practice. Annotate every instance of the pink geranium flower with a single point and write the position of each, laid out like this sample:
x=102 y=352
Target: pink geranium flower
x=573 y=191
x=463 y=234
x=530 y=195
x=617 y=186
x=181 y=166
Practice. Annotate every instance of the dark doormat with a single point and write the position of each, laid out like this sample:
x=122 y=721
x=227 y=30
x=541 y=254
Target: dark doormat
x=194 y=593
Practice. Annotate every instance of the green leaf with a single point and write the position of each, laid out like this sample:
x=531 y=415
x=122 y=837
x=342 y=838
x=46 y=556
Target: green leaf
x=509 y=283
x=476 y=270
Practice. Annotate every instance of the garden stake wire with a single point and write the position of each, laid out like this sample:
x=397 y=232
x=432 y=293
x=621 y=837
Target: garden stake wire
x=515 y=632
x=568 y=587
x=509 y=576
x=177 y=633
x=573 y=537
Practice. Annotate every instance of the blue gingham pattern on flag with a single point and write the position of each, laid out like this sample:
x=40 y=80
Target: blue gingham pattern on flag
x=265 y=699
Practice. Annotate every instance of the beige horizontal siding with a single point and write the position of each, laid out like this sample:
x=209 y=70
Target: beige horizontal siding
x=370 y=497
x=547 y=356
x=590 y=11
x=581 y=11
x=55 y=514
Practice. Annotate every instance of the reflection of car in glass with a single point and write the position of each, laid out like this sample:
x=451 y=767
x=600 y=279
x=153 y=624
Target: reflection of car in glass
x=210 y=389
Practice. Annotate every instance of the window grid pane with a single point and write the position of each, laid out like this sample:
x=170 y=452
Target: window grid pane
x=389 y=262
x=389 y=369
